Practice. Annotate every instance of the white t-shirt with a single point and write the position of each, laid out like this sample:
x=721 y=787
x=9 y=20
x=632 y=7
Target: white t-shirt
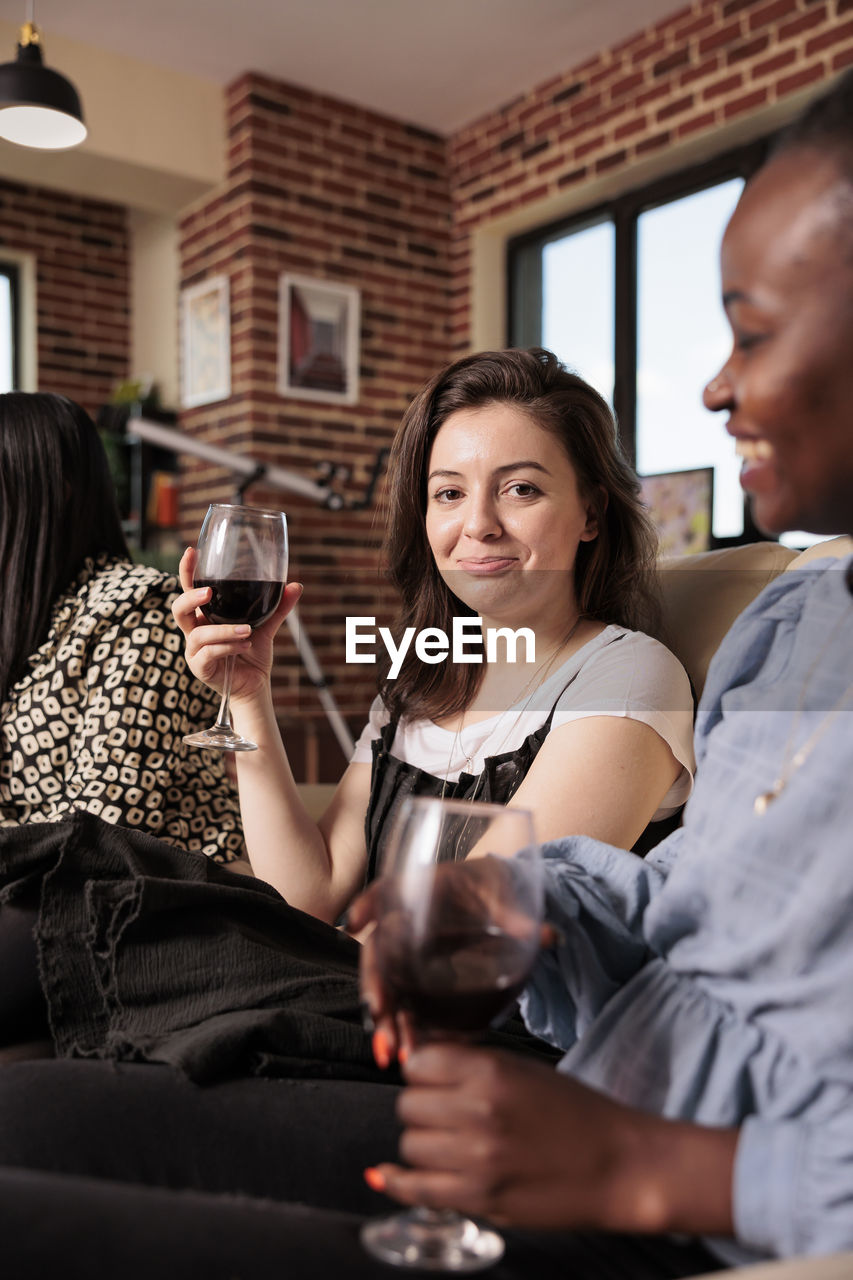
x=617 y=673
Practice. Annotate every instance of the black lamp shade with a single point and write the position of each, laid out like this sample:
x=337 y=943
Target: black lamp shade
x=38 y=106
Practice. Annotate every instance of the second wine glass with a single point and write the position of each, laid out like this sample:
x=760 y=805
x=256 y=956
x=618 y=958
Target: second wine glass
x=454 y=945
x=242 y=557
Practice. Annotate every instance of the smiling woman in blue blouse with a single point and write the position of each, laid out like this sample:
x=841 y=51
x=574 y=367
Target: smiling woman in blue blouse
x=707 y=1086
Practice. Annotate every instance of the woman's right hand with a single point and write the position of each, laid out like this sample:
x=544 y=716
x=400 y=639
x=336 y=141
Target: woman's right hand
x=208 y=645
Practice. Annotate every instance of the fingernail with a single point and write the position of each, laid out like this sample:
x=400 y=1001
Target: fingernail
x=374 y=1179
x=242 y=631
x=402 y=1055
x=381 y=1049
x=366 y=1017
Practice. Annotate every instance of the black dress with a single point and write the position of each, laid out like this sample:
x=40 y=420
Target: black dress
x=393 y=779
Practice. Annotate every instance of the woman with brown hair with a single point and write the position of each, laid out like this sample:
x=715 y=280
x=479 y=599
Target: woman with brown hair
x=512 y=506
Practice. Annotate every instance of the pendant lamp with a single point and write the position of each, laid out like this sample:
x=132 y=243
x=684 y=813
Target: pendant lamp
x=38 y=106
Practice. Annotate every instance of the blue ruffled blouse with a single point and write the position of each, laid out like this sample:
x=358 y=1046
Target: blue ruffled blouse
x=713 y=982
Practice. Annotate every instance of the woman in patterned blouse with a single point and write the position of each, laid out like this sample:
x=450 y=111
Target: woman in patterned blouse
x=95 y=694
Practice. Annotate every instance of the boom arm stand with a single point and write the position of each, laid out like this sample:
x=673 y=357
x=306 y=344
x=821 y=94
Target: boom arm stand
x=248 y=471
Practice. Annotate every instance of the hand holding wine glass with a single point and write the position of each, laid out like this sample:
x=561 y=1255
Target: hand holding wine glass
x=453 y=946
x=238 y=584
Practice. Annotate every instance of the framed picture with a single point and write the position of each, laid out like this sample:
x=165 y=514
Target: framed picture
x=318 y=340
x=681 y=504
x=205 y=342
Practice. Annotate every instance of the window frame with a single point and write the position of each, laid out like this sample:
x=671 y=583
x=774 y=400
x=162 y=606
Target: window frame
x=524 y=276
x=11 y=270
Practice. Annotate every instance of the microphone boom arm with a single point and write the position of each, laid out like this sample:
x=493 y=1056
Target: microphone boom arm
x=278 y=478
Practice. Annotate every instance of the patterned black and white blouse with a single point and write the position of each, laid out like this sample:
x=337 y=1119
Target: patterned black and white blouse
x=96 y=722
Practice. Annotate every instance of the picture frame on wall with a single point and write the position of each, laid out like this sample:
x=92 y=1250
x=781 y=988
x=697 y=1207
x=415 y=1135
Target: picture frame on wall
x=205 y=342
x=681 y=504
x=318 y=346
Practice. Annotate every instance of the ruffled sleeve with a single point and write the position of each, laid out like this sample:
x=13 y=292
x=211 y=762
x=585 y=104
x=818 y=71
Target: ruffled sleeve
x=596 y=897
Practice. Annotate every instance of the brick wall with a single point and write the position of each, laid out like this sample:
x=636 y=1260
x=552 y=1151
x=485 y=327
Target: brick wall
x=82 y=287
x=690 y=74
x=324 y=189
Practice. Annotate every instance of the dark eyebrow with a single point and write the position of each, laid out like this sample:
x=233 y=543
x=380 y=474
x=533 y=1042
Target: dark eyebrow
x=524 y=464
x=734 y=295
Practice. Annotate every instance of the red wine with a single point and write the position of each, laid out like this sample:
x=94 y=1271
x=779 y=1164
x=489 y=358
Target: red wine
x=240 y=599
x=458 y=980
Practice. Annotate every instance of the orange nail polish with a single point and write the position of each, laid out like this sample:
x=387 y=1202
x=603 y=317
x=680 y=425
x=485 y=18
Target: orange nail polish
x=381 y=1049
x=402 y=1055
x=374 y=1179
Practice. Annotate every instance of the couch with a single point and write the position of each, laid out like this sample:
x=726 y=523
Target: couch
x=702 y=596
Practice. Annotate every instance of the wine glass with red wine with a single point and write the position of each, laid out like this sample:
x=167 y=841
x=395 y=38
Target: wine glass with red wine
x=242 y=557
x=459 y=918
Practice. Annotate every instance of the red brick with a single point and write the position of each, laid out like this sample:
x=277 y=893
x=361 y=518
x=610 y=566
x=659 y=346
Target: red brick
x=728 y=85
x=648 y=50
x=748 y=102
x=693 y=27
x=771 y=13
x=672 y=60
x=629 y=128
x=835 y=35
x=803 y=23
x=705 y=121
x=719 y=38
x=594 y=144
x=574 y=175
x=748 y=49
x=843 y=59
x=627 y=84
x=700 y=72
x=776 y=63
x=605 y=73
x=610 y=162
x=650 y=95
x=653 y=143
x=799 y=81
x=675 y=108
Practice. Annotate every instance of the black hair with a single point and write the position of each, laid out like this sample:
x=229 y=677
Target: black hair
x=825 y=125
x=57 y=508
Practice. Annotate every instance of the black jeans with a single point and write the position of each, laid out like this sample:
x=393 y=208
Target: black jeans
x=130 y=1170
x=23 y=1010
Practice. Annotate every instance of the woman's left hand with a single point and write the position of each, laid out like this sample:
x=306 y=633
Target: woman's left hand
x=501 y=1137
x=506 y=1138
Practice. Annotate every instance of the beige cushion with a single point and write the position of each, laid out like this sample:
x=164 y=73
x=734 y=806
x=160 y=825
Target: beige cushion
x=703 y=594
x=835 y=1266
x=842 y=546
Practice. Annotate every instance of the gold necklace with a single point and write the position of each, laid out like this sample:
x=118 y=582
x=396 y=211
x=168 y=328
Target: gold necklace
x=791 y=763
x=790 y=766
x=542 y=672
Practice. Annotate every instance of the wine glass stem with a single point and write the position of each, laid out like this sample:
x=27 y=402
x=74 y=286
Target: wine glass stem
x=223 y=720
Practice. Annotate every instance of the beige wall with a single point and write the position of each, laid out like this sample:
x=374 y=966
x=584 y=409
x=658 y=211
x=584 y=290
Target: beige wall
x=156 y=143
x=154 y=286
x=156 y=138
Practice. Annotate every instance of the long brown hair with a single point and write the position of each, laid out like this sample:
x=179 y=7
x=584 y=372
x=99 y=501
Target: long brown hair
x=614 y=575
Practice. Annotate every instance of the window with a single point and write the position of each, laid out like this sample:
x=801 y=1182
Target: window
x=9 y=329
x=628 y=295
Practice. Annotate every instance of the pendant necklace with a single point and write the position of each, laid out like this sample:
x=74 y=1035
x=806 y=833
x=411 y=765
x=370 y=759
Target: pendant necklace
x=791 y=763
x=540 y=675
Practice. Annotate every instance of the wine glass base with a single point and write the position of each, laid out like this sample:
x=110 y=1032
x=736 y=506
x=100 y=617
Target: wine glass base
x=422 y=1239
x=220 y=740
